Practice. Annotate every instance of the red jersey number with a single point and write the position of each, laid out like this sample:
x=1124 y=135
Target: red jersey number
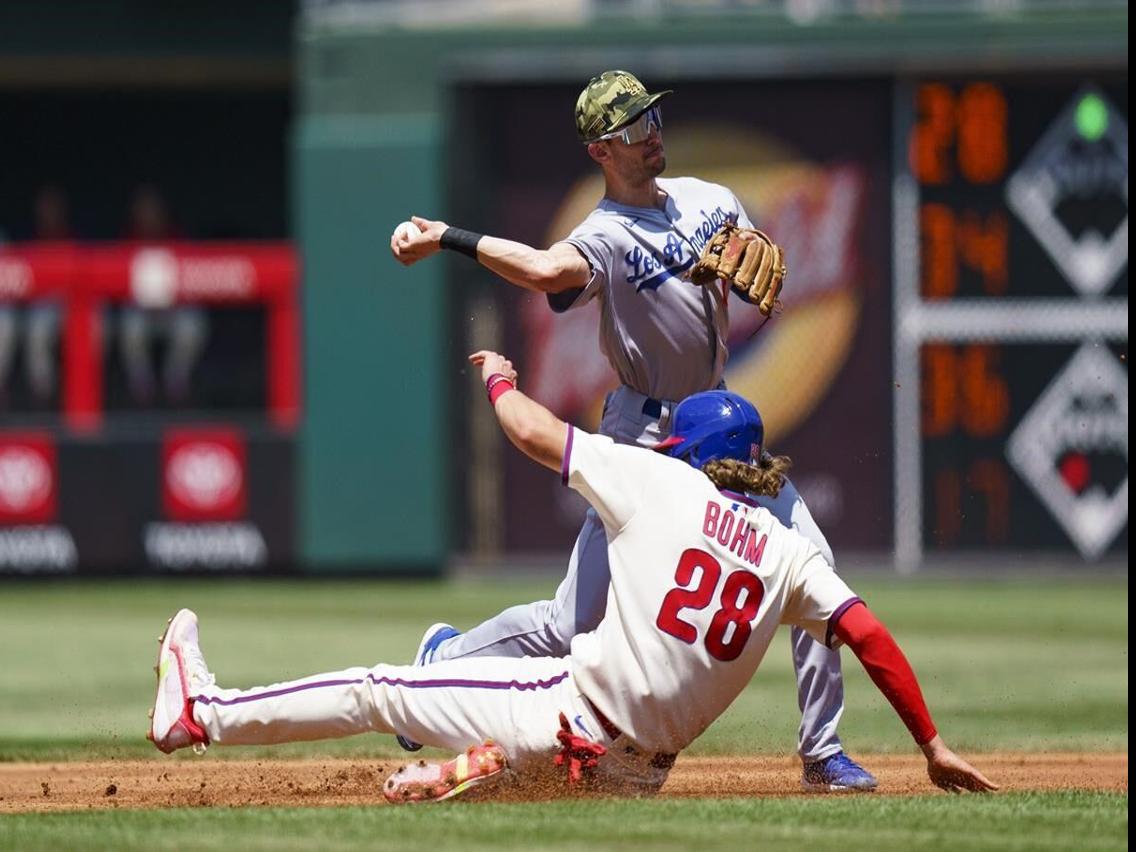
x=682 y=598
x=729 y=612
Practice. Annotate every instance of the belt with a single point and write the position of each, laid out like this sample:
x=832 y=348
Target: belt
x=660 y=760
x=654 y=407
x=609 y=727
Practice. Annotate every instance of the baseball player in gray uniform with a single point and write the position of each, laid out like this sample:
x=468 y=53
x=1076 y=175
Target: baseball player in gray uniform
x=666 y=339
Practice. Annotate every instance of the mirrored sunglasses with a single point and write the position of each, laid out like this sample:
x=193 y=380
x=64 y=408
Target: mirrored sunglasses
x=638 y=130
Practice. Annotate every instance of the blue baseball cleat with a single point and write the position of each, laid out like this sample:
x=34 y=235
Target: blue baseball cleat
x=434 y=636
x=835 y=774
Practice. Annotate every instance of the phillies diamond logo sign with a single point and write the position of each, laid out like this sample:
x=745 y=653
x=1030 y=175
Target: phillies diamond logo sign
x=1072 y=192
x=1072 y=449
x=203 y=474
x=27 y=479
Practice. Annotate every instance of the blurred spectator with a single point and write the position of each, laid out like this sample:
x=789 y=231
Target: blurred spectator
x=148 y=219
x=184 y=329
x=51 y=223
x=9 y=327
x=51 y=215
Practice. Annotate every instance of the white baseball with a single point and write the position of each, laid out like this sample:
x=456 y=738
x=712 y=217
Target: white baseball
x=407 y=231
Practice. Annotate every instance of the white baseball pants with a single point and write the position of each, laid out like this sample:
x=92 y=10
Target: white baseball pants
x=545 y=628
x=514 y=702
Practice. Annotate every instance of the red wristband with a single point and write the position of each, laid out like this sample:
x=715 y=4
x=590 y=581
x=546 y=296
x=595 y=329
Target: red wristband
x=497 y=386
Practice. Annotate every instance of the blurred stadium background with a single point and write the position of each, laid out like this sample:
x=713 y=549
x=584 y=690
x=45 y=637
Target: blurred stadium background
x=211 y=368
x=210 y=364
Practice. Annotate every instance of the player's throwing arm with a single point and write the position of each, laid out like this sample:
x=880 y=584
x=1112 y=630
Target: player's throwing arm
x=551 y=270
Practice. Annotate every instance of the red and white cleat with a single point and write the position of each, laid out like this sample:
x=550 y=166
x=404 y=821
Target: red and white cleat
x=181 y=669
x=425 y=781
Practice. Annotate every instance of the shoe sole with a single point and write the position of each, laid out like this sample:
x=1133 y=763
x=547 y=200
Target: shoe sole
x=819 y=787
x=168 y=656
x=468 y=770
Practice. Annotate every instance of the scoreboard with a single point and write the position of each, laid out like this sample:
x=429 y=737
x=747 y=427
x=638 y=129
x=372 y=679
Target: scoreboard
x=1010 y=205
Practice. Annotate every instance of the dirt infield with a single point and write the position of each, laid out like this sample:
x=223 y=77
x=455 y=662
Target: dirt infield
x=216 y=783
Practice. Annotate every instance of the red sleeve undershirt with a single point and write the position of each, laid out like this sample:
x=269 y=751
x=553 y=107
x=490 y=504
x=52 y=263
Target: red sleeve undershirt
x=870 y=641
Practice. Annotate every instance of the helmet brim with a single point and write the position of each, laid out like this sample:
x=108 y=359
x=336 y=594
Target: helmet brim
x=668 y=444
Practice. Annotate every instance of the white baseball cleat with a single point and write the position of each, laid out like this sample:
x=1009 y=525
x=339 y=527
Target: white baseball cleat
x=181 y=672
x=424 y=781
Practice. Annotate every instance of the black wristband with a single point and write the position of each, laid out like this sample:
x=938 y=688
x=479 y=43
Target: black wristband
x=461 y=240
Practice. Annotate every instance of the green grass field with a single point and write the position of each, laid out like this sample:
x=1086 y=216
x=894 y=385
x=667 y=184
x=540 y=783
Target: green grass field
x=1015 y=665
x=1018 y=821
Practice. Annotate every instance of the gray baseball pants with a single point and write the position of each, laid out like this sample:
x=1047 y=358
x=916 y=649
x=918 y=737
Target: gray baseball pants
x=546 y=628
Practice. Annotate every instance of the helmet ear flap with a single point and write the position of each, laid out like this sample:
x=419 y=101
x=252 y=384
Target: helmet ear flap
x=692 y=453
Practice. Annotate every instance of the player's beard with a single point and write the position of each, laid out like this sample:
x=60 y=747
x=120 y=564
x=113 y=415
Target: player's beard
x=655 y=165
x=637 y=170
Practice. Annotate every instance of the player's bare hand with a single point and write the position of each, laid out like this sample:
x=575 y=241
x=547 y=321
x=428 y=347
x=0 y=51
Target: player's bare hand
x=951 y=772
x=492 y=362
x=409 y=248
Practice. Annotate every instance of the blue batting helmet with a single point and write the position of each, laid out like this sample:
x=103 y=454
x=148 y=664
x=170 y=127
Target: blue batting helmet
x=714 y=425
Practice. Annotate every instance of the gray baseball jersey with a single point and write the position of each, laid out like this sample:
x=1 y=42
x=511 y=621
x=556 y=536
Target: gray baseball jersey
x=664 y=337
x=654 y=327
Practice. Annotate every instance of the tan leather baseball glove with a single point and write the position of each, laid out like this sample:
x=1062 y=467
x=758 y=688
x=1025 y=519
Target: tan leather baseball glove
x=751 y=263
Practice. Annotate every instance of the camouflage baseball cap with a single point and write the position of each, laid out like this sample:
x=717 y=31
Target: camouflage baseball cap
x=610 y=101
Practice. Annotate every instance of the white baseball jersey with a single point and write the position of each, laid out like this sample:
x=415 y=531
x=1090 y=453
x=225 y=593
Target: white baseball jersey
x=700 y=581
x=663 y=336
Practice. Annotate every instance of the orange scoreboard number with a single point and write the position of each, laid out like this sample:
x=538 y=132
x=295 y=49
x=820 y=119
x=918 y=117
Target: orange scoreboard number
x=963 y=389
x=959 y=153
x=967 y=128
x=960 y=136
x=964 y=392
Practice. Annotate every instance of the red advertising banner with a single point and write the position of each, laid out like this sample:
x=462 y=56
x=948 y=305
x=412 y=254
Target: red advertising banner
x=204 y=474
x=27 y=478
